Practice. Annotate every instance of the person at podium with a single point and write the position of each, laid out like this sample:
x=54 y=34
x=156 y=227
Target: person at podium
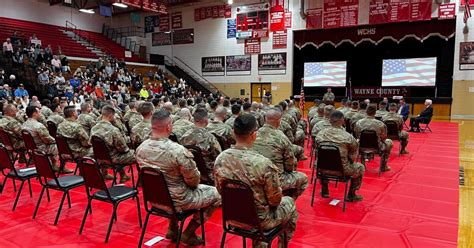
x=329 y=97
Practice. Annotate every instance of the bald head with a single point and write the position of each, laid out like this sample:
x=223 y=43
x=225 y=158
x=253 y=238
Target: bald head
x=220 y=113
x=337 y=118
x=273 y=117
x=321 y=109
x=184 y=113
x=10 y=110
x=255 y=105
x=168 y=106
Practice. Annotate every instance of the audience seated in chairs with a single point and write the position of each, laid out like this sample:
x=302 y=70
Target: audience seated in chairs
x=424 y=117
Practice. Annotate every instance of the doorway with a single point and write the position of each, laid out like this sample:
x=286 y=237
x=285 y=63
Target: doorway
x=259 y=90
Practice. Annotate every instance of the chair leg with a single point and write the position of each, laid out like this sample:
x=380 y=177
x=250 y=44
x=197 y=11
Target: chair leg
x=312 y=173
x=244 y=242
x=223 y=239
x=181 y=225
x=85 y=215
x=14 y=185
x=314 y=188
x=18 y=195
x=68 y=199
x=76 y=169
x=201 y=213
x=3 y=184
x=139 y=212
x=47 y=194
x=311 y=155
x=142 y=235
x=345 y=197
x=111 y=223
x=60 y=207
x=133 y=177
x=39 y=201
x=29 y=186
x=114 y=181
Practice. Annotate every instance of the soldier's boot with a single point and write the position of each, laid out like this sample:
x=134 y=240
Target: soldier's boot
x=172 y=233
x=106 y=175
x=123 y=176
x=65 y=170
x=404 y=146
x=352 y=196
x=281 y=242
x=384 y=162
x=189 y=235
x=324 y=190
x=259 y=244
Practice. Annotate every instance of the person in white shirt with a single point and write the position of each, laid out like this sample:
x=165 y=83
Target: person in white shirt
x=56 y=63
x=8 y=48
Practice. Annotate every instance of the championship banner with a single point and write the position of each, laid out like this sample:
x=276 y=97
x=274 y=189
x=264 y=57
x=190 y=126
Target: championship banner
x=314 y=20
x=213 y=66
x=238 y=65
x=378 y=92
x=161 y=39
x=331 y=14
x=176 y=20
x=447 y=11
x=420 y=10
x=378 y=11
x=164 y=22
x=277 y=21
x=151 y=22
x=272 y=63
x=399 y=11
x=288 y=19
x=252 y=46
x=231 y=29
x=280 y=39
x=349 y=13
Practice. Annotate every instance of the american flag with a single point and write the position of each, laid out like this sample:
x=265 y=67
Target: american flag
x=325 y=74
x=302 y=96
x=467 y=11
x=409 y=72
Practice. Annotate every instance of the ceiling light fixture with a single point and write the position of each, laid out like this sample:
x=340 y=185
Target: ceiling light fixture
x=87 y=11
x=230 y=2
x=120 y=5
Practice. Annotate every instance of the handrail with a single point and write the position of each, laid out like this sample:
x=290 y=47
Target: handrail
x=71 y=24
x=213 y=88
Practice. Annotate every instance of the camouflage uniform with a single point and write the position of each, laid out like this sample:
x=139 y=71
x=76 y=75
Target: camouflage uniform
x=115 y=141
x=44 y=142
x=329 y=97
x=344 y=109
x=286 y=129
x=350 y=114
x=290 y=120
x=312 y=112
x=13 y=127
x=230 y=121
x=260 y=119
x=208 y=144
x=300 y=135
x=222 y=130
x=381 y=113
x=320 y=126
x=361 y=114
x=273 y=144
x=315 y=120
x=141 y=132
x=46 y=111
x=21 y=116
x=133 y=118
x=391 y=116
x=76 y=137
x=261 y=176
x=87 y=121
x=370 y=123
x=56 y=118
x=348 y=149
x=181 y=126
x=181 y=174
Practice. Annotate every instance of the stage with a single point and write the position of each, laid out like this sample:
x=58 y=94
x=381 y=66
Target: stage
x=413 y=205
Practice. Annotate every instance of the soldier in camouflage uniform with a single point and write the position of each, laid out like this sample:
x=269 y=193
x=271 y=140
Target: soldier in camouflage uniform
x=329 y=97
x=183 y=124
x=382 y=110
x=142 y=130
x=287 y=117
x=286 y=129
x=243 y=164
x=212 y=110
x=370 y=123
x=218 y=128
x=313 y=111
x=328 y=109
x=132 y=117
x=274 y=145
x=199 y=136
x=94 y=112
x=247 y=108
x=345 y=106
x=348 y=148
x=361 y=114
x=45 y=108
x=236 y=108
x=56 y=118
x=87 y=119
x=319 y=117
x=114 y=139
x=394 y=116
x=76 y=136
x=181 y=174
x=13 y=127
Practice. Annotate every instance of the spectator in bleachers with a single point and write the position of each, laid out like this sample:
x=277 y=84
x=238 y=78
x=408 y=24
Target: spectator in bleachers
x=48 y=51
x=18 y=59
x=20 y=92
x=2 y=76
x=41 y=57
x=56 y=63
x=8 y=48
x=65 y=65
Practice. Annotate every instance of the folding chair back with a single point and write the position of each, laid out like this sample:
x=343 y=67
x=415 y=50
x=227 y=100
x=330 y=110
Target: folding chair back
x=52 y=128
x=329 y=161
x=28 y=139
x=101 y=152
x=200 y=163
x=64 y=151
x=6 y=140
x=44 y=167
x=235 y=195
x=368 y=141
x=348 y=125
x=5 y=160
x=92 y=175
x=392 y=130
x=222 y=142
x=155 y=189
x=173 y=138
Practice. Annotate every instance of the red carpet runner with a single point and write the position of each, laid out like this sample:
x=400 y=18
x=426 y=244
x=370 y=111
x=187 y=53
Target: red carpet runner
x=414 y=205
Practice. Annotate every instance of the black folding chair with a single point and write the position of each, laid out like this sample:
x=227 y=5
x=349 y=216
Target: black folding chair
x=393 y=133
x=102 y=155
x=329 y=168
x=348 y=125
x=30 y=144
x=49 y=180
x=15 y=174
x=65 y=153
x=200 y=164
x=426 y=122
x=369 y=146
x=52 y=128
x=313 y=152
x=222 y=142
x=378 y=118
x=6 y=140
x=173 y=137
x=158 y=201
x=98 y=190
x=239 y=215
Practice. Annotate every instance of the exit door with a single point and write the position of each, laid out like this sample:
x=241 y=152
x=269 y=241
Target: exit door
x=259 y=90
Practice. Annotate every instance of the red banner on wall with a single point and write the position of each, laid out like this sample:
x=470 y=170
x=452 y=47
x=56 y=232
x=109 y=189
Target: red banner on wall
x=378 y=11
x=277 y=21
x=447 y=11
x=332 y=14
x=252 y=46
x=176 y=20
x=349 y=13
x=399 y=11
x=280 y=39
x=165 y=23
x=314 y=19
x=288 y=18
x=420 y=10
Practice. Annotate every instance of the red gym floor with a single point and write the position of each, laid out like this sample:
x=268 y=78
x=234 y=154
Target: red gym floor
x=414 y=205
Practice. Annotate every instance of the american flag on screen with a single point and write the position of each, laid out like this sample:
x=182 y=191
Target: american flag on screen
x=409 y=72
x=325 y=74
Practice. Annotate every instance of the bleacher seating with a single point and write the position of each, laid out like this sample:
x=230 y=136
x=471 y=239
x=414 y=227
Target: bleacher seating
x=48 y=34
x=107 y=45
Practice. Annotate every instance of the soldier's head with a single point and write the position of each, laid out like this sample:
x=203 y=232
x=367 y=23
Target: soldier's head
x=32 y=112
x=182 y=103
x=317 y=101
x=355 y=105
x=220 y=114
x=201 y=118
x=161 y=124
x=283 y=105
x=108 y=113
x=86 y=108
x=265 y=101
x=146 y=110
x=168 y=106
x=245 y=129
x=226 y=103
x=70 y=112
x=382 y=105
x=273 y=117
x=10 y=110
x=246 y=106
x=328 y=109
x=55 y=108
x=343 y=102
x=321 y=109
x=393 y=107
x=236 y=109
x=132 y=105
x=46 y=102
x=363 y=105
x=255 y=105
x=329 y=89
x=371 y=109
x=337 y=118
x=213 y=105
x=184 y=113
